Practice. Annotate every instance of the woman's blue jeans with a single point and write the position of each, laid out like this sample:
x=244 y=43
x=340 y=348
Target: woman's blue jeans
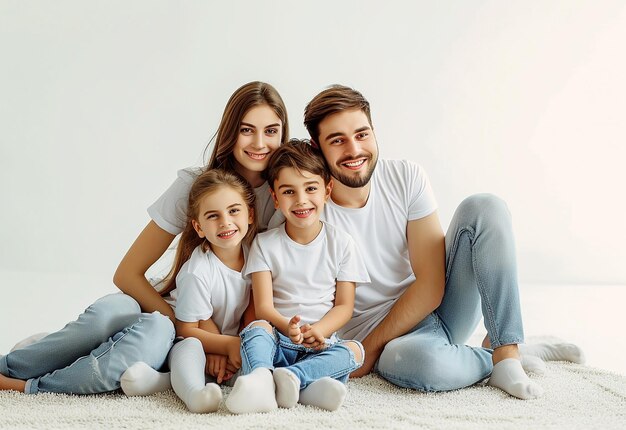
x=90 y=354
x=262 y=349
x=481 y=280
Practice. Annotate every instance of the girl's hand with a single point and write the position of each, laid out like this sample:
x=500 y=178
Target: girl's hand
x=217 y=367
x=234 y=351
x=295 y=334
x=312 y=337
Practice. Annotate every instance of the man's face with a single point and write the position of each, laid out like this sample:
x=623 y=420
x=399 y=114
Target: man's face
x=348 y=143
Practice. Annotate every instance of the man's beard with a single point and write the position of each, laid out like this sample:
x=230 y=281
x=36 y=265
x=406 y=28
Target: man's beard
x=354 y=181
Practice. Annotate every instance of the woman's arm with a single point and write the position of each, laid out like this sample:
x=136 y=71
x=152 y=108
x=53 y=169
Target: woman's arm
x=264 y=302
x=130 y=277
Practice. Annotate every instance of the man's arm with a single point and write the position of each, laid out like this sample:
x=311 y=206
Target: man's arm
x=427 y=252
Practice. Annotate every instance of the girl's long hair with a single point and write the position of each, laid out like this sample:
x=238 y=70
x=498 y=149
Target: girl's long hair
x=207 y=183
x=243 y=99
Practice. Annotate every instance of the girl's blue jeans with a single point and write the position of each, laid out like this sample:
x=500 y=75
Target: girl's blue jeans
x=481 y=280
x=262 y=349
x=90 y=354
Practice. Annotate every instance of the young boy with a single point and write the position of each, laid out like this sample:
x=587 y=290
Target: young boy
x=304 y=275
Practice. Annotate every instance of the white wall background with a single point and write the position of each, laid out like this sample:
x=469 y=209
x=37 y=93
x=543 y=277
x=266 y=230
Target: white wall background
x=102 y=101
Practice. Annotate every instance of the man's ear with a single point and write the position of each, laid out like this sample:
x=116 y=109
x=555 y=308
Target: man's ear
x=329 y=188
x=197 y=228
x=274 y=198
x=314 y=144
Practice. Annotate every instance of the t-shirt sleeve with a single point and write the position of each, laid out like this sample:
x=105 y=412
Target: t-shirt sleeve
x=256 y=260
x=193 y=302
x=421 y=199
x=352 y=267
x=170 y=210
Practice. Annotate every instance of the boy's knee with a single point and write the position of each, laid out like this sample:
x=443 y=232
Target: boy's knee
x=263 y=324
x=357 y=350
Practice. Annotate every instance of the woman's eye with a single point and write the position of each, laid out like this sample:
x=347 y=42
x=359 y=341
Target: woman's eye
x=272 y=131
x=246 y=130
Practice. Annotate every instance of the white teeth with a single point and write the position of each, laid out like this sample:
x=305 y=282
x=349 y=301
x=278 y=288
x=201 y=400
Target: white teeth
x=256 y=156
x=355 y=164
x=227 y=234
x=302 y=212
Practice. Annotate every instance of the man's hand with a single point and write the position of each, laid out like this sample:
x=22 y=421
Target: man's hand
x=371 y=356
x=295 y=334
x=313 y=338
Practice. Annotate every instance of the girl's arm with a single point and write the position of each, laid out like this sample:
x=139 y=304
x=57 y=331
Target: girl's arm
x=130 y=277
x=335 y=318
x=212 y=343
x=264 y=302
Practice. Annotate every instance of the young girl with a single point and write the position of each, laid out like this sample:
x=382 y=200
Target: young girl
x=303 y=278
x=90 y=354
x=209 y=289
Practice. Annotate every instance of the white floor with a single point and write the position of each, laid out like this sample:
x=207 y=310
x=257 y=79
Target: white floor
x=590 y=315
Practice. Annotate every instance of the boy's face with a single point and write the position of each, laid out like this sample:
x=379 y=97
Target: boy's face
x=300 y=196
x=348 y=143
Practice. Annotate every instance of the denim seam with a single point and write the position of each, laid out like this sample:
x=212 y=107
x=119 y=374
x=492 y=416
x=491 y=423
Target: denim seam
x=250 y=328
x=349 y=369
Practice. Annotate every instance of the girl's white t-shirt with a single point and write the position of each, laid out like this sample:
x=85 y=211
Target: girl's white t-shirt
x=400 y=192
x=170 y=210
x=207 y=288
x=304 y=276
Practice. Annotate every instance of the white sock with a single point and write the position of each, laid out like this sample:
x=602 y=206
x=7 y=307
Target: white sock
x=287 y=387
x=326 y=393
x=554 y=352
x=29 y=341
x=142 y=380
x=254 y=392
x=187 y=361
x=509 y=376
x=532 y=364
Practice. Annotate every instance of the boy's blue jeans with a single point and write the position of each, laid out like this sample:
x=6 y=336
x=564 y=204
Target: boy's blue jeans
x=262 y=349
x=90 y=354
x=481 y=280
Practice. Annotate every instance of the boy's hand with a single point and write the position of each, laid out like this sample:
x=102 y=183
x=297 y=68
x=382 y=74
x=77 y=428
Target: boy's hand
x=295 y=334
x=313 y=338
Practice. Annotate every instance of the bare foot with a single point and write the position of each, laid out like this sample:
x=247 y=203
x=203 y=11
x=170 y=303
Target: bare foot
x=7 y=383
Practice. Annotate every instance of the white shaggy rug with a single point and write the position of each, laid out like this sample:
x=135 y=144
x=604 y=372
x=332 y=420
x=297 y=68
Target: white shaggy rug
x=576 y=397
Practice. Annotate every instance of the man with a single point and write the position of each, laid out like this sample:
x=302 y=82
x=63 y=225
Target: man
x=427 y=289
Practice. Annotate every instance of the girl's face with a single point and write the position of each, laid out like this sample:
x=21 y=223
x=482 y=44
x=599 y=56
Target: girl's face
x=260 y=133
x=223 y=218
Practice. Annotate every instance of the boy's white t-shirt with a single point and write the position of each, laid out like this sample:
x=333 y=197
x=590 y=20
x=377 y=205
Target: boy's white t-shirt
x=207 y=288
x=400 y=192
x=304 y=276
x=170 y=210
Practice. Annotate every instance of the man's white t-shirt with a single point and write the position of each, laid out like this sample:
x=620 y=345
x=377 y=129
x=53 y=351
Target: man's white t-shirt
x=207 y=288
x=170 y=210
x=400 y=192
x=304 y=276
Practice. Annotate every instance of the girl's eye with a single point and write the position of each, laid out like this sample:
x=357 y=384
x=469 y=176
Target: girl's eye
x=286 y=192
x=212 y=216
x=234 y=211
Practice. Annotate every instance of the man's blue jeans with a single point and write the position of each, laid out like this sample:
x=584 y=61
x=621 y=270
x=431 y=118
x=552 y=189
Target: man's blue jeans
x=90 y=354
x=481 y=280
x=262 y=349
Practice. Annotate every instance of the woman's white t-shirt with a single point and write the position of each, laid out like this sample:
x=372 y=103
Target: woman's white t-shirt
x=170 y=210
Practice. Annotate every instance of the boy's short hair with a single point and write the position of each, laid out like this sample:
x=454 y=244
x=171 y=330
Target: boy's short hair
x=300 y=155
x=334 y=99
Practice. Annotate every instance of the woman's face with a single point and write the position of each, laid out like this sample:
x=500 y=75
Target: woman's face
x=260 y=133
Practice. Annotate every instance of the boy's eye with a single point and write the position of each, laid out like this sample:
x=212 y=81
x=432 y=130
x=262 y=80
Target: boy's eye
x=288 y=192
x=311 y=189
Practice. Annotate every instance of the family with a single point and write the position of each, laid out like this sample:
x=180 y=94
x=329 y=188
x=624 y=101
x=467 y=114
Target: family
x=300 y=263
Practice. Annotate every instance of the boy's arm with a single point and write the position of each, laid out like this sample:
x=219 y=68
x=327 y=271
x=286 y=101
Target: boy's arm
x=340 y=314
x=264 y=302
